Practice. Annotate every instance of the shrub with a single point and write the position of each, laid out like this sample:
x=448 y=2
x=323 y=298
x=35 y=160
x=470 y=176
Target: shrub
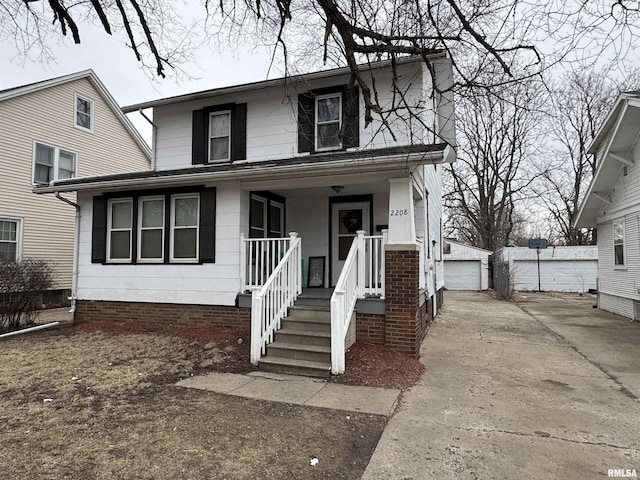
x=21 y=287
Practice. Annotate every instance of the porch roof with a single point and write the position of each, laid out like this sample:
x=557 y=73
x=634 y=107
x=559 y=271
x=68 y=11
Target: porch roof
x=391 y=158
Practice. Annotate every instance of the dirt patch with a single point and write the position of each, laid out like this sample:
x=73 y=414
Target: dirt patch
x=98 y=405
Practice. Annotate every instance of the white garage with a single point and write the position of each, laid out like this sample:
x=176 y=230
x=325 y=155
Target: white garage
x=465 y=267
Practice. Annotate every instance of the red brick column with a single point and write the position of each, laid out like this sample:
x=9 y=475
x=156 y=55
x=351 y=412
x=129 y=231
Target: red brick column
x=402 y=302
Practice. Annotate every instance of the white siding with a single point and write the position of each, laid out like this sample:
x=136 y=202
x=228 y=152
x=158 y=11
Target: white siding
x=433 y=186
x=272 y=128
x=48 y=116
x=460 y=252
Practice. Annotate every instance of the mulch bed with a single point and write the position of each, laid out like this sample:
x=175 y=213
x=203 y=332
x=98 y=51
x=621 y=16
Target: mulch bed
x=367 y=364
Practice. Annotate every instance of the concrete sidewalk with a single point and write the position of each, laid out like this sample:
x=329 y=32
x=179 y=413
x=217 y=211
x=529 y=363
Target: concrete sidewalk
x=298 y=390
x=542 y=390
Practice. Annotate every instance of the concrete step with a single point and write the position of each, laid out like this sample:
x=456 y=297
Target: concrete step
x=306 y=325
x=298 y=337
x=314 y=353
x=295 y=367
x=307 y=312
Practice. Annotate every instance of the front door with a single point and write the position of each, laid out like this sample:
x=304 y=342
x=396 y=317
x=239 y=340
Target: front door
x=346 y=220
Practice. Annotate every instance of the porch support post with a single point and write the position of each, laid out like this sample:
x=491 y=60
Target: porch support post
x=402 y=227
x=361 y=263
x=243 y=263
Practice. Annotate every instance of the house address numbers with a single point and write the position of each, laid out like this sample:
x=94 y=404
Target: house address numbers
x=399 y=212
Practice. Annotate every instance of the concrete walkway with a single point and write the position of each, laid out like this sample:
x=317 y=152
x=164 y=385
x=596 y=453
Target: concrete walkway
x=298 y=390
x=546 y=389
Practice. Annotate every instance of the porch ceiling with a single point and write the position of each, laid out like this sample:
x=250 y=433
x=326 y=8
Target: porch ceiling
x=327 y=191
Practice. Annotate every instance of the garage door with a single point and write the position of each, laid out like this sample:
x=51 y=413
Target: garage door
x=555 y=275
x=462 y=274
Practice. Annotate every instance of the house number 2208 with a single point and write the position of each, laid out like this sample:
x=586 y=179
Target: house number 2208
x=399 y=213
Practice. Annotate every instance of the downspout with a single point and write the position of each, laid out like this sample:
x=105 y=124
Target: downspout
x=153 y=138
x=76 y=245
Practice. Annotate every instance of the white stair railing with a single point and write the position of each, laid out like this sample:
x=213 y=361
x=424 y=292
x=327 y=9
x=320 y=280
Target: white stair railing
x=374 y=264
x=271 y=302
x=259 y=258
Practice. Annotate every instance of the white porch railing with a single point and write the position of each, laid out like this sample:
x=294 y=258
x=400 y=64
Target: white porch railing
x=362 y=274
x=259 y=257
x=271 y=302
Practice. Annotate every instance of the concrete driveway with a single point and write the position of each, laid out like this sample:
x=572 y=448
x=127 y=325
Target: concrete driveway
x=544 y=389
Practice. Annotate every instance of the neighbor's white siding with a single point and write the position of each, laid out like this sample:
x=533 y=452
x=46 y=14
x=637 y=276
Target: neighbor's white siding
x=48 y=116
x=272 y=124
x=207 y=284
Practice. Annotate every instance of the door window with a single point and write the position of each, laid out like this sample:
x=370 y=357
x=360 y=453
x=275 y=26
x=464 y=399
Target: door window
x=350 y=221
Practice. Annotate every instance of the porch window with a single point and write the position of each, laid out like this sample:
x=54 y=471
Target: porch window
x=184 y=227
x=219 y=136
x=10 y=233
x=266 y=216
x=328 y=121
x=119 y=228
x=151 y=229
x=618 y=243
x=52 y=163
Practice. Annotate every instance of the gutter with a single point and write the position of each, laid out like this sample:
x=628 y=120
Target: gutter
x=76 y=248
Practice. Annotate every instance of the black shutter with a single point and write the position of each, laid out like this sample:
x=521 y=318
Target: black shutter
x=351 y=112
x=208 y=225
x=305 y=122
x=199 y=138
x=99 y=230
x=239 y=132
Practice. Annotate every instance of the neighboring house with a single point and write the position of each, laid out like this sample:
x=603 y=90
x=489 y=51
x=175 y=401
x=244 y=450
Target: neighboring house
x=612 y=204
x=562 y=269
x=465 y=267
x=57 y=129
x=235 y=171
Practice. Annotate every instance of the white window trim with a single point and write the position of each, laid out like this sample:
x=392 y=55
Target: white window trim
x=20 y=223
x=317 y=123
x=621 y=266
x=173 y=228
x=109 y=229
x=209 y=137
x=140 y=228
x=75 y=112
x=56 y=161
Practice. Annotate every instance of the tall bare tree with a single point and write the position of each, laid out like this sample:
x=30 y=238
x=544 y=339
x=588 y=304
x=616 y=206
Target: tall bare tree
x=499 y=134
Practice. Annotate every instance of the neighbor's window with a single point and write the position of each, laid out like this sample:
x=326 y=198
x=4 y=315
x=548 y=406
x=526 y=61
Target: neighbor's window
x=219 y=136
x=185 y=211
x=9 y=239
x=119 y=221
x=84 y=113
x=618 y=243
x=328 y=121
x=52 y=163
x=151 y=229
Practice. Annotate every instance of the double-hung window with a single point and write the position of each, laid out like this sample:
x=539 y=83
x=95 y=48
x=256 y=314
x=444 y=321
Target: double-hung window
x=84 y=113
x=185 y=211
x=119 y=230
x=10 y=231
x=53 y=163
x=328 y=122
x=151 y=229
x=219 y=136
x=618 y=243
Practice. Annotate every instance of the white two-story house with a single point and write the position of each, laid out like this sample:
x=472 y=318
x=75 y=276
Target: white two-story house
x=270 y=205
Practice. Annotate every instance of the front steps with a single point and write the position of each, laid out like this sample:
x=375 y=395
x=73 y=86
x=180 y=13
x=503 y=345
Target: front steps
x=303 y=345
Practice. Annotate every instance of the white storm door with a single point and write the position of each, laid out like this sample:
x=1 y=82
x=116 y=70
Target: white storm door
x=346 y=220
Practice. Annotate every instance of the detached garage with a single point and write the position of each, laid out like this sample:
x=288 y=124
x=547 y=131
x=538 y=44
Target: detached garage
x=562 y=269
x=465 y=267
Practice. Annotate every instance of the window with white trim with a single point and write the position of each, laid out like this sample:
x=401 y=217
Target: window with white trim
x=185 y=211
x=10 y=237
x=618 y=244
x=119 y=229
x=219 y=136
x=328 y=121
x=52 y=163
x=84 y=113
x=151 y=229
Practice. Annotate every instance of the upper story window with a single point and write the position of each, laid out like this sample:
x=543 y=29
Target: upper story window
x=328 y=121
x=219 y=136
x=84 y=113
x=618 y=243
x=10 y=237
x=52 y=163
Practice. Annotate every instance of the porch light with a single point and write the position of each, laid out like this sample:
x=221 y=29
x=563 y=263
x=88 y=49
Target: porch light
x=337 y=188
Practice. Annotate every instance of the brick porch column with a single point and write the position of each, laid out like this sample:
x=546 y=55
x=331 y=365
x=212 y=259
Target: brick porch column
x=402 y=329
